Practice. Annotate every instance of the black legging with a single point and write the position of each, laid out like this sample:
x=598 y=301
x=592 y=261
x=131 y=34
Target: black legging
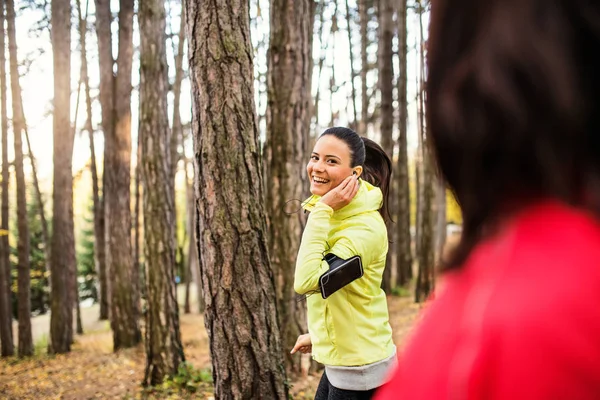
x=326 y=391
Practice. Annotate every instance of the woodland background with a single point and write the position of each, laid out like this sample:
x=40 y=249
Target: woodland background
x=153 y=165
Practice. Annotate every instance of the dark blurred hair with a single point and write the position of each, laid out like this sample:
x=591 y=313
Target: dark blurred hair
x=514 y=107
x=377 y=166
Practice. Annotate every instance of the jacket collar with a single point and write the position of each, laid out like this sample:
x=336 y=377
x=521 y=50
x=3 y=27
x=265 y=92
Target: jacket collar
x=368 y=198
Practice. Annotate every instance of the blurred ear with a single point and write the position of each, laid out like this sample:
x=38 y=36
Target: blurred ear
x=358 y=170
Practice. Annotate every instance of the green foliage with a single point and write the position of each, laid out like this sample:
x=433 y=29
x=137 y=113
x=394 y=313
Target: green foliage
x=38 y=273
x=41 y=345
x=401 y=291
x=189 y=378
x=86 y=265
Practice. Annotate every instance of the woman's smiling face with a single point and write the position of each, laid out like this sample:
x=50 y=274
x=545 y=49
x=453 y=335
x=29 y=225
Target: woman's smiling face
x=329 y=164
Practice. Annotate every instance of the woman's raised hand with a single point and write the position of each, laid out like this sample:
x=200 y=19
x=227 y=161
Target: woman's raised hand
x=303 y=344
x=343 y=194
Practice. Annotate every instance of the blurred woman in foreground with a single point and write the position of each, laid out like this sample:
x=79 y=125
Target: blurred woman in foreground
x=514 y=121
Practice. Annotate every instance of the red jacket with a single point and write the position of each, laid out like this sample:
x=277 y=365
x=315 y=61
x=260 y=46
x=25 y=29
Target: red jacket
x=520 y=320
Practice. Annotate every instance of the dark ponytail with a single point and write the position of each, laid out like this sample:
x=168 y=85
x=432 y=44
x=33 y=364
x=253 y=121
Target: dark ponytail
x=377 y=166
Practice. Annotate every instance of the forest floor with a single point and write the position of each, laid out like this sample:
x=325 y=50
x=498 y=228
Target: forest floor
x=93 y=371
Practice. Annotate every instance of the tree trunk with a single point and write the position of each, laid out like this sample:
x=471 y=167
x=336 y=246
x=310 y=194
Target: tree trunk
x=386 y=87
x=364 y=69
x=288 y=127
x=403 y=239
x=323 y=44
x=106 y=63
x=164 y=351
x=238 y=283
x=426 y=250
x=24 y=286
x=136 y=205
x=354 y=124
x=124 y=278
x=99 y=255
x=440 y=230
x=6 y=337
x=38 y=194
x=63 y=242
x=193 y=259
x=79 y=325
x=176 y=134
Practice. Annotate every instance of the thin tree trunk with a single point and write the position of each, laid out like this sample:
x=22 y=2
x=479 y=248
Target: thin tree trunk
x=403 y=239
x=426 y=252
x=124 y=276
x=323 y=54
x=99 y=255
x=24 y=283
x=364 y=69
x=79 y=325
x=63 y=242
x=136 y=205
x=6 y=335
x=107 y=81
x=288 y=127
x=164 y=351
x=176 y=133
x=238 y=283
x=386 y=87
x=440 y=230
x=332 y=80
x=38 y=194
x=193 y=259
x=354 y=124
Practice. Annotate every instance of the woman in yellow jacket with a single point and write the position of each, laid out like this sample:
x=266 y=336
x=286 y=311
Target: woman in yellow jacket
x=349 y=331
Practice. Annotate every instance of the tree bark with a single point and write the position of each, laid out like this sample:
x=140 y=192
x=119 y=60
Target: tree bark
x=288 y=126
x=386 y=87
x=24 y=283
x=164 y=351
x=403 y=239
x=107 y=81
x=99 y=254
x=364 y=69
x=6 y=337
x=63 y=242
x=440 y=230
x=193 y=258
x=124 y=278
x=38 y=193
x=354 y=124
x=238 y=283
x=426 y=249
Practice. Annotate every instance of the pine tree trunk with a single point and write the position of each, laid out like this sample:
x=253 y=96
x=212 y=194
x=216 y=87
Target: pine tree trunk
x=193 y=246
x=440 y=230
x=426 y=248
x=63 y=242
x=364 y=69
x=99 y=255
x=6 y=337
x=288 y=127
x=79 y=325
x=24 y=286
x=354 y=124
x=106 y=62
x=164 y=350
x=38 y=194
x=124 y=278
x=386 y=87
x=238 y=283
x=403 y=239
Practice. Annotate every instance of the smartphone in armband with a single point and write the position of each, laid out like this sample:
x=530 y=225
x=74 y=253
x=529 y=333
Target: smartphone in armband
x=341 y=273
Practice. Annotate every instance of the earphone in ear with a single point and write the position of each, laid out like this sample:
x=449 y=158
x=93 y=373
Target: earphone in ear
x=353 y=172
